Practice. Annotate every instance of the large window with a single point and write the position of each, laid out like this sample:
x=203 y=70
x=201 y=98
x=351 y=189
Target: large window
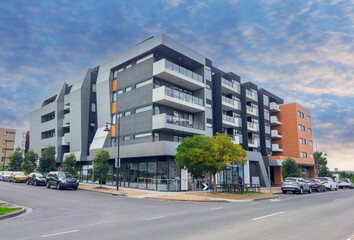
x=142 y=135
x=309 y=118
x=143 y=109
x=309 y=130
x=303 y=155
x=302 y=141
x=310 y=143
x=300 y=114
x=301 y=127
x=93 y=107
x=142 y=84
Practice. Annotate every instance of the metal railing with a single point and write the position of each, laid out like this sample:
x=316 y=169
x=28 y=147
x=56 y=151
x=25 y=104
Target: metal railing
x=184 y=122
x=228 y=100
x=228 y=118
x=251 y=94
x=184 y=71
x=183 y=96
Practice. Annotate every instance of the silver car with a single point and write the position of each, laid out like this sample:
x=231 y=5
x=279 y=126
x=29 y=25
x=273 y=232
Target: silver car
x=5 y=176
x=329 y=183
x=295 y=184
x=345 y=183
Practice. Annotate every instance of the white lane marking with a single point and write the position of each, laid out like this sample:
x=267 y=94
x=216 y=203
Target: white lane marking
x=60 y=233
x=148 y=219
x=337 y=199
x=215 y=208
x=254 y=203
x=275 y=200
x=270 y=215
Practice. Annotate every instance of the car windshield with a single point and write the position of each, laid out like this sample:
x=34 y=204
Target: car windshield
x=44 y=174
x=290 y=180
x=343 y=180
x=65 y=175
x=311 y=180
x=7 y=174
x=39 y=175
x=323 y=179
x=19 y=173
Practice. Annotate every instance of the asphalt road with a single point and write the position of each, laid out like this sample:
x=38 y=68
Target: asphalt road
x=69 y=214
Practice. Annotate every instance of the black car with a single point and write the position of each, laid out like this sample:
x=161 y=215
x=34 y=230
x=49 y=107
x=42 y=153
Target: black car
x=62 y=180
x=36 y=179
x=317 y=185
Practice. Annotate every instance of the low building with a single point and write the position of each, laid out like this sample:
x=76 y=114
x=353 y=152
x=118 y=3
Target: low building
x=10 y=139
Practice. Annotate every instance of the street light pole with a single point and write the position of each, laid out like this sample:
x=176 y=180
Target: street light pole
x=3 y=164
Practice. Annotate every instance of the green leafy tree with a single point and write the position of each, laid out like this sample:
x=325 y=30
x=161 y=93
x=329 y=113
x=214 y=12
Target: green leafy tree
x=69 y=165
x=16 y=160
x=208 y=154
x=321 y=165
x=47 y=160
x=290 y=169
x=30 y=162
x=101 y=166
x=324 y=172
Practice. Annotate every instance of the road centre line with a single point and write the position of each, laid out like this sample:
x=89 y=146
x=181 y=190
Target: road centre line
x=270 y=215
x=215 y=208
x=148 y=219
x=60 y=233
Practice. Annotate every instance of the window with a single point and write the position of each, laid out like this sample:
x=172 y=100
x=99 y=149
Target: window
x=310 y=143
x=144 y=58
x=208 y=105
x=127 y=113
x=266 y=100
x=302 y=141
x=209 y=125
x=301 y=127
x=126 y=138
x=143 y=109
x=266 y=114
x=128 y=66
x=141 y=135
x=93 y=87
x=309 y=118
x=311 y=155
x=120 y=70
x=142 y=84
x=24 y=135
x=303 y=155
x=300 y=114
x=93 y=107
x=115 y=74
x=309 y=130
x=156 y=137
x=23 y=144
x=208 y=86
x=114 y=97
x=128 y=89
x=156 y=110
x=120 y=92
x=177 y=139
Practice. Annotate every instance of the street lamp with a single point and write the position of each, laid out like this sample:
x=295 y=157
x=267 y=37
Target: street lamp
x=118 y=137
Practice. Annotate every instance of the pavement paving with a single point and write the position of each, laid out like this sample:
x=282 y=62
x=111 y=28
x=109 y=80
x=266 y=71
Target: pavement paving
x=86 y=215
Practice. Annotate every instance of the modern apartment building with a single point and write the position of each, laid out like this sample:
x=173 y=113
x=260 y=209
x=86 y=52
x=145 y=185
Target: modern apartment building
x=291 y=137
x=10 y=139
x=161 y=91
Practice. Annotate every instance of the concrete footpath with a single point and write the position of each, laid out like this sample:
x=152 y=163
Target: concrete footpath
x=188 y=196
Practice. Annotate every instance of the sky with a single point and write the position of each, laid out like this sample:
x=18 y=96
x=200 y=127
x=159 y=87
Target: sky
x=302 y=51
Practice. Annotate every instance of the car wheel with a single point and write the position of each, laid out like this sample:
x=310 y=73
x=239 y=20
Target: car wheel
x=336 y=189
x=75 y=188
x=318 y=189
x=284 y=192
x=48 y=185
x=301 y=191
x=35 y=183
x=27 y=182
x=325 y=189
x=310 y=190
x=58 y=186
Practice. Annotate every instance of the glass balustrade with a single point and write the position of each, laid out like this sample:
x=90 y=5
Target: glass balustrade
x=184 y=71
x=184 y=122
x=183 y=96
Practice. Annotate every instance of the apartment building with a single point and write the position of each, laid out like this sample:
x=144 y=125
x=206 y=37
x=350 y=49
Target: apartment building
x=291 y=137
x=159 y=92
x=10 y=139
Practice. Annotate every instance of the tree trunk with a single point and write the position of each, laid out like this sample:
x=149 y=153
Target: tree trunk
x=101 y=181
x=214 y=185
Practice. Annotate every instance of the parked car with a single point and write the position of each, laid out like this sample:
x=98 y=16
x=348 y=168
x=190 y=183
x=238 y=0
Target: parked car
x=329 y=183
x=317 y=185
x=36 y=179
x=5 y=176
x=61 y=180
x=345 y=183
x=18 y=177
x=295 y=184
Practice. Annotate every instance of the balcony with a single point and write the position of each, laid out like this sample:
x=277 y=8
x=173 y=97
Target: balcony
x=274 y=107
x=253 y=143
x=276 y=134
x=251 y=96
x=229 y=104
x=252 y=111
x=176 y=99
x=252 y=126
x=231 y=122
x=178 y=75
x=274 y=120
x=277 y=148
x=229 y=87
x=176 y=124
x=237 y=139
x=64 y=142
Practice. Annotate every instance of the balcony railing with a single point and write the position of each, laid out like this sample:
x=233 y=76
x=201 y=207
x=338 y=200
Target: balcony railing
x=252 y=110
x=253 y=142
x=252 y=95
x=274 y=107
x=232 y=102
x=183 y=96
x=230 y=84
x=184 y=71
x=184 y=122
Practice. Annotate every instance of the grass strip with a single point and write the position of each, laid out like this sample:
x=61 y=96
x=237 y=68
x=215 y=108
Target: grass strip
x=6 y=210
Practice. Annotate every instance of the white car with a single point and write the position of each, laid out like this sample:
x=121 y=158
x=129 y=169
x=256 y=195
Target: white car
x=329 y=183
x=5 y=176
x=345 y=183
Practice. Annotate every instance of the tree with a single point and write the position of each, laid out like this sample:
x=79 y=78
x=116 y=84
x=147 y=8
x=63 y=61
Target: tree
x=30 y=162
x=208 y=154
x=290 y=169
x=47 y=160
x=101 y=166
x=320 y=164
x=69 y=164
x=16 y=160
